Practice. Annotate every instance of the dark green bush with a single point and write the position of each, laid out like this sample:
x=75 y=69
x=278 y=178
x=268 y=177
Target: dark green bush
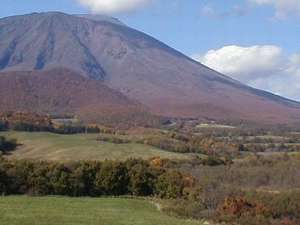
x=170 y=185
x=113 y=139
x=7 y=145
x=212 y=161
x=3 y=126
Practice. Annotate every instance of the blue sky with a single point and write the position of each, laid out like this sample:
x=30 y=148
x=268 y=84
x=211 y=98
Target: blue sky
x=183 y=25
x=216 y=32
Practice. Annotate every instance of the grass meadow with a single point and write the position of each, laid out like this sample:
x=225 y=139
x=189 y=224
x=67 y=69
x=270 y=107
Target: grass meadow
x=83 y=211
x=50 y=146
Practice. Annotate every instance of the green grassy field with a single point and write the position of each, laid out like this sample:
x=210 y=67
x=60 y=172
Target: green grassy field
x=49 y=146
x=83 y=211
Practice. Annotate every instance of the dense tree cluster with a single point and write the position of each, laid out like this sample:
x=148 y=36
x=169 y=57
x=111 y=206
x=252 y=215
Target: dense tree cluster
x=167 y=144
x=29 y=122
x=193 y=144
x=109 y=178
x=3 y=126
x=7 y=145
x=61 y=129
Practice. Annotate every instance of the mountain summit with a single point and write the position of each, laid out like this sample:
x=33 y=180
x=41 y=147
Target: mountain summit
x=135 y=65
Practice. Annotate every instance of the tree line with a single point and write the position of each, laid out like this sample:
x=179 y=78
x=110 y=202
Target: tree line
x=109 y=178
x=29 y=122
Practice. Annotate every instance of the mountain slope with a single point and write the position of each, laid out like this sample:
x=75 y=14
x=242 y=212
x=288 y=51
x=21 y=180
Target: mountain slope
x=137 y=65
x=62 y=92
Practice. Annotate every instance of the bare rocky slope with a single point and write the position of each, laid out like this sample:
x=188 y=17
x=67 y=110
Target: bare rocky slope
x=130 y=62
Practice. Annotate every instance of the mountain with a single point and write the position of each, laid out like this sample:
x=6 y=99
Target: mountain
x=135 y=65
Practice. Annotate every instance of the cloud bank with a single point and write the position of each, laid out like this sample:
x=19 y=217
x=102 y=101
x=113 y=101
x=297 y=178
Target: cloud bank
x=265 y=67
x=284 y=8
x=113 y=6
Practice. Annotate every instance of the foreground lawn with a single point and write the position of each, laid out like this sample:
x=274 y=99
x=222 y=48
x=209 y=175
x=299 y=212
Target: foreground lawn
x=82 y=211
x=49 y=146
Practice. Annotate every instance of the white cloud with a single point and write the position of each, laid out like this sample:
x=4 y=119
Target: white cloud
x=245 y=61
x=112 y=6
x=284 y=8
x=266 y=67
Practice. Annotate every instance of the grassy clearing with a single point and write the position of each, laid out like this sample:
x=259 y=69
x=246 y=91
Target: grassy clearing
x=83 y=211
x=49 y=146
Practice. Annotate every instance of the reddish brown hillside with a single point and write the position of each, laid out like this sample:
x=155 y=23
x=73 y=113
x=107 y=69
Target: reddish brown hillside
x=61 y=91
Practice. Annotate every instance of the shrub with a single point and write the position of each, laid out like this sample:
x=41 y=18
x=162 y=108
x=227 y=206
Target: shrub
x=167 y=144
x=212 y=161
x=170 y=185
x=113 y=139
x=240 y=207
x=112 y=179
x=4 y=179
x=7 y=145
x=141 y=180
x=3 y=126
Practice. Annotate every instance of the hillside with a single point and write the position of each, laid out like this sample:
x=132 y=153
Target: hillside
x=62 y=92
x=130 y=62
